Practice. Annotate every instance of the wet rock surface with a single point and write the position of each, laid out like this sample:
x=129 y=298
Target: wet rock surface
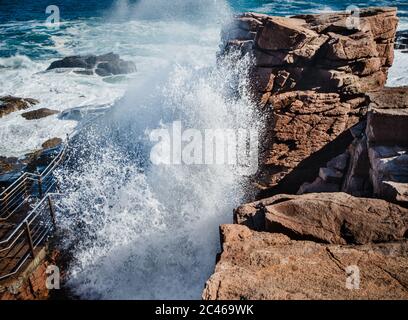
x=12 y=167
x=104 y=65
x=9 y=104
x=51 y=143
x=38 y=114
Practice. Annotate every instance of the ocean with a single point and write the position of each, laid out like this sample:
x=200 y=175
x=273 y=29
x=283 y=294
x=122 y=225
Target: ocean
x=135 y=230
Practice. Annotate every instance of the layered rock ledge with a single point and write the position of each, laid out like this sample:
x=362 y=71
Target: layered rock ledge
x=331 y=219
x=260 y=265
x=311 y=74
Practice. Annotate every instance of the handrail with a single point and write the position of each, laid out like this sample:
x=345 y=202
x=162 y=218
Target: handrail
x=15 y=248
x=32 y=239
x=22 y=191
x=24 y=176
x=31 y=213
x=6 y=193
x=13 y=199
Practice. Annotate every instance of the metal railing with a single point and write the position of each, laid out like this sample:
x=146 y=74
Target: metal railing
x=27 y=214
x=22 y=241
x=28 y=188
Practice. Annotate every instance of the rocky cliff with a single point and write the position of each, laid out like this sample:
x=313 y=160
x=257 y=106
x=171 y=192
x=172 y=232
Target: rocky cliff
x=331 y=222
x=312 y=73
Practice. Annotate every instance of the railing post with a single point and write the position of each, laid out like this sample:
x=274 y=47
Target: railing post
x=29 y=238
x=25 y=188
x=40 y=189
x=52 y=211
x=5 y=203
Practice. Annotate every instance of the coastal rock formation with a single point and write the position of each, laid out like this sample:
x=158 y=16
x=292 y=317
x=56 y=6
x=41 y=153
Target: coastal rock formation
x=9 y=104
x=38 y=114
x=325 y=52
x=51 y=143
x=336 y=218
x=332 y=216
x=377 y=156
x=261 y=265
x=313 y=72
x=304 y=121
x=103 y=65
x=388 y=153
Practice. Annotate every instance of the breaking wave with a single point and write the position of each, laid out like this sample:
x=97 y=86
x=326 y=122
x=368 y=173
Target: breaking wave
x=143 y=231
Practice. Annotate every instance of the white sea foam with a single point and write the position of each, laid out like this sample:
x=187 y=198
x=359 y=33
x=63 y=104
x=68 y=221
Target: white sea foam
x=145 y=42
x=398 y=73
x=23 y=77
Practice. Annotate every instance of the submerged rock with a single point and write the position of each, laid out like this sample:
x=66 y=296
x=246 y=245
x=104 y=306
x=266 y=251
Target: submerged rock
x=51 y=143
x=103 y=65
x=9 y=104
x=38 y=114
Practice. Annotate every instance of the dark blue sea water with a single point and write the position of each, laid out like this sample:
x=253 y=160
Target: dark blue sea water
x=23 y=38
x=23 y=10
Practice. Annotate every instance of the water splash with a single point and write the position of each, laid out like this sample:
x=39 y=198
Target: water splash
x=139 y=231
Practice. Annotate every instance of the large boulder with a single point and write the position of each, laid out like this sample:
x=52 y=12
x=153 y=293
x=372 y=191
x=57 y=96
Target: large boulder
x=336 y=218
x=279 y=33
x=103 y=65
x=326 y=47
x=51 y=143
x=9 y=104
x=260 y=265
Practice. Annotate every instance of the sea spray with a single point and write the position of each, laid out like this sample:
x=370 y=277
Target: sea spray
x=142 y=231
